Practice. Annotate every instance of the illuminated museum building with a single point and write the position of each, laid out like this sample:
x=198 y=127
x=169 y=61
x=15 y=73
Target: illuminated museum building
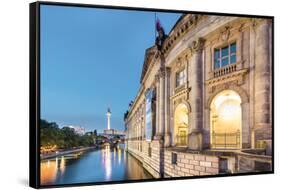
x=204 y=102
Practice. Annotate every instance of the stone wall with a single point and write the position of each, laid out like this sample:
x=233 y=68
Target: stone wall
x=149 y=158
x=189 y=164
x=133 y=148
x=151 y=161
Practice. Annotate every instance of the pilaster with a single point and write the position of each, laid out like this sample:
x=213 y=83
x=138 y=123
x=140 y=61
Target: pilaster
x=167 y=135
x=262 y=122
x=196 y=95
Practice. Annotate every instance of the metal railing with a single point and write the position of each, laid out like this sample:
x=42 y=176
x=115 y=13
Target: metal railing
x=181 y=140
x=226 y=140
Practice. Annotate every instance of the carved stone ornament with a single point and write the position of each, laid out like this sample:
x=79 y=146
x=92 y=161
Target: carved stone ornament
x=197 y=46
x=167 y=71
x=180 y=100
x=179 y=63
x=161 y=72
x=241 y=27
x=258 y=21
x=157 y=78
x=225 y=33
x=254 y=23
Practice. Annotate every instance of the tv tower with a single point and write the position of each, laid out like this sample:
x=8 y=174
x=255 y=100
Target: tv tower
x=108 y=114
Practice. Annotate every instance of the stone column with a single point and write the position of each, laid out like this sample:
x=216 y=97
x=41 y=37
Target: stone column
x=262 y=128
x=162 y=101
x=167 y=136
x=161 y=104
x=157 y=107
x=196 y=96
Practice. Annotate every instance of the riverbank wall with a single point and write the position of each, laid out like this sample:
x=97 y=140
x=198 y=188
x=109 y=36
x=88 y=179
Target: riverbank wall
x=148 y=153
x=160 y=161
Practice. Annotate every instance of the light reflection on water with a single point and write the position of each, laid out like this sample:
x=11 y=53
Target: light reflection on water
x=94 y=166
x=106 y=157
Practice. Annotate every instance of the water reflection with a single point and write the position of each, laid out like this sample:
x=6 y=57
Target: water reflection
x=51 y=169
x=107 y=161
x=62 y=164
x=107 y=164
x=119 y=155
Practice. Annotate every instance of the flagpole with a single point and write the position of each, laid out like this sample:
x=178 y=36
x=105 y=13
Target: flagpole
x=155 y=24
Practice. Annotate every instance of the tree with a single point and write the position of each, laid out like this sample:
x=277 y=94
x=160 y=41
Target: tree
x=95 y=133
x=64 y=138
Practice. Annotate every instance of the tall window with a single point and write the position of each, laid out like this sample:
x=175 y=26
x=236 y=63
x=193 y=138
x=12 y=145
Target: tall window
x=180 y=78
x=148 y=114
x=225 y=56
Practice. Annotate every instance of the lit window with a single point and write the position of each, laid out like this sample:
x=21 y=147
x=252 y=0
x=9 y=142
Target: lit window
x=180 y=78
x=225 y=56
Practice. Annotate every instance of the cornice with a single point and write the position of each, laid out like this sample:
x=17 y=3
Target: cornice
x=150 y=66
x=136 y=100
x=178 y=32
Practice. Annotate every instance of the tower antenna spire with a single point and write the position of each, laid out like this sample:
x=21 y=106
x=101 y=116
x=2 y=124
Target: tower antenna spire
x=108 y=114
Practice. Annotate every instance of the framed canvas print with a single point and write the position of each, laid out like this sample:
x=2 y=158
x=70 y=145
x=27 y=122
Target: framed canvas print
x=122 y=94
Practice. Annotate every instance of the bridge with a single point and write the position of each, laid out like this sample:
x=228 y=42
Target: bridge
x=112 y=141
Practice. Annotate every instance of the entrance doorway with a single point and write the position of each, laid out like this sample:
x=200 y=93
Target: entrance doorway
x=226 y=120
x=181 y=125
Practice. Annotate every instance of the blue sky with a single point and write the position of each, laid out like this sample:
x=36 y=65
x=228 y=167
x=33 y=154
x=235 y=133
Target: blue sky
x=91 y=59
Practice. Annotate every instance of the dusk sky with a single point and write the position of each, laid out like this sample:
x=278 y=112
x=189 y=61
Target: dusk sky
x=91 y=59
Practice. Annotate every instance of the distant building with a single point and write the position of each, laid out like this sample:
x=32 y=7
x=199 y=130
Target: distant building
x=78 y=129
x=113 y=132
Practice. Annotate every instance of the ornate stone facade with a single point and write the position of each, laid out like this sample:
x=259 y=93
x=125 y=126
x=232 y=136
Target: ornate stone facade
x=212 y=67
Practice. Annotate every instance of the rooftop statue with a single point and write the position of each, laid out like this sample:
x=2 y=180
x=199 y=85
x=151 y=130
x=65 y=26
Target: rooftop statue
x=161 y=35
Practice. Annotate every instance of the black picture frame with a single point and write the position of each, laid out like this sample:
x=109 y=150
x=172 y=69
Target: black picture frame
x=34 y=92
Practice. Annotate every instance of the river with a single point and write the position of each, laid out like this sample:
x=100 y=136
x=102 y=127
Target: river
x=107 y=164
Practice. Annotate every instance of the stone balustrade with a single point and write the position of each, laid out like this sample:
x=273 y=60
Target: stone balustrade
x=224 y=70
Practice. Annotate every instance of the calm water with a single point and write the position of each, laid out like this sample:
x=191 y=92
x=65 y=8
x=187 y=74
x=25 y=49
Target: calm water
x=93 y=166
